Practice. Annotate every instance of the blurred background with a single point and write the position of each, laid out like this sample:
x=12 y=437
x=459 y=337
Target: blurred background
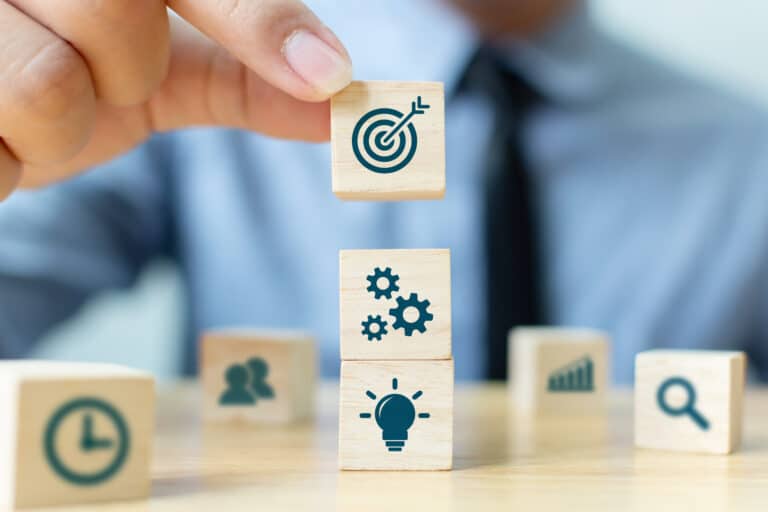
x=719 y=41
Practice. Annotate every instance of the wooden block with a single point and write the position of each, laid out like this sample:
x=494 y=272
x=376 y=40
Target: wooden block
x=558 y=370
x=689 y=400
x=74 y=433
x=388 y=141
x=396 y=415
x=395 y=304
x=258 y=376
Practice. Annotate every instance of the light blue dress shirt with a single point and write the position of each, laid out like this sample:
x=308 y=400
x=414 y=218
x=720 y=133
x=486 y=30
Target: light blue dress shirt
x=651 y=190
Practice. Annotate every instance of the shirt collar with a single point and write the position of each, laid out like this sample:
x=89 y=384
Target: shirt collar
x=428 y=40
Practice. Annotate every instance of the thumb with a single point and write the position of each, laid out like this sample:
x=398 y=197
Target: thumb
x=280 y=40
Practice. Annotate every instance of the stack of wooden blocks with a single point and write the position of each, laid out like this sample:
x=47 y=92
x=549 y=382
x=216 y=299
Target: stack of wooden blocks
x=396 y=409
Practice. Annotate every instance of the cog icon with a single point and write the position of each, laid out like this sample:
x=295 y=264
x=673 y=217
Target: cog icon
x=399 y=313
x=380 y=291
x=374 y=327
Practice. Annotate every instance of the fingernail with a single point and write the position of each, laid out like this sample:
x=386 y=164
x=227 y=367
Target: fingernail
x=316 y=62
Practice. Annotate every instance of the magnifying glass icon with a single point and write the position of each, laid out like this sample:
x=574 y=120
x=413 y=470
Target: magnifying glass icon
x=688 y=408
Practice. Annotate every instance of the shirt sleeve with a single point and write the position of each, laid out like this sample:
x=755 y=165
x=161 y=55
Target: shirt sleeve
x=62 y=244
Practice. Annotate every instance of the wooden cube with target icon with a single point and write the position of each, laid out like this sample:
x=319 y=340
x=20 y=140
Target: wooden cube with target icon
x=74 y=433
x=395 y=304
x=388 y=141
x=256 y=376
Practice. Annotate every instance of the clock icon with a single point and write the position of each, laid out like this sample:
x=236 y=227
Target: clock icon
x=86 y=441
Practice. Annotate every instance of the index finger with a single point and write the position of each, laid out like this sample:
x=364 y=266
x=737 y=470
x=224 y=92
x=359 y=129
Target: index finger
x=281 y=40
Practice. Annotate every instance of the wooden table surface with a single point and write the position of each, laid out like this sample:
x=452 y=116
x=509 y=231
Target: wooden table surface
x=501 y=462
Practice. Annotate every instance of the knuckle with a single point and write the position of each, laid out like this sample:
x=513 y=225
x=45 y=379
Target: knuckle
x=53 y=83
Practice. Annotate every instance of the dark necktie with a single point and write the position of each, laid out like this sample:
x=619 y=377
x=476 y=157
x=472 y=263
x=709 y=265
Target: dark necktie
x=512 y=278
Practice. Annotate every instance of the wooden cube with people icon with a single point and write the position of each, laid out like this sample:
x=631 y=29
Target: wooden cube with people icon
x=74 y=433
x=689 y=400
x=388 y=141
x=257 y=376
x=558 y=370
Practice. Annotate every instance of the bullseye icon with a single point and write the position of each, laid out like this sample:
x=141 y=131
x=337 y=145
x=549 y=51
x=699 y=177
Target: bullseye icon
x=384 y=139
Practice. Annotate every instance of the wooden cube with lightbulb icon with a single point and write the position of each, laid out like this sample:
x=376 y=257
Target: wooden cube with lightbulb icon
x=396 y=415
x=395 y=304
x=74 y=433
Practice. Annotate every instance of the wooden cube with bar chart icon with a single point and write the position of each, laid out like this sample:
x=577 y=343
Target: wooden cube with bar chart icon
x=689 y=400
x=388 y=141
x=253 y=376
x=558 y=370
x=74 y=433
x=396 y=415
x=395 y=304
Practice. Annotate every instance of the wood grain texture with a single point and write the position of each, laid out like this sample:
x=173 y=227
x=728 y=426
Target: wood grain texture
x=426 y=272
x=428 y=443
x=502 y=462
x=424 y=176
x=537 y=355
x=291 y=366
x=717 y=378
x=33 y=393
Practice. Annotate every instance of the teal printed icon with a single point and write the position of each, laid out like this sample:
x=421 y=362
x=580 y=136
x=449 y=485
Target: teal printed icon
x=688 y=407
x=384 y=140
x=374 y=328
x=409 y=314
x=395 y=414
x=383 y=283
x=246 y=383
x=109 y=446
x=575 y=377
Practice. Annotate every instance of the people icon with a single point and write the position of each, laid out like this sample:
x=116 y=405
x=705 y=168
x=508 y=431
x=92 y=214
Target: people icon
x=246 y=384
x=259 y=371
x=237 y=387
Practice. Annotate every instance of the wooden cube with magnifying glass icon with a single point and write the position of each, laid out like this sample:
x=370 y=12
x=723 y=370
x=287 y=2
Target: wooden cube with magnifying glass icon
x=396 y=415
x=689 y=400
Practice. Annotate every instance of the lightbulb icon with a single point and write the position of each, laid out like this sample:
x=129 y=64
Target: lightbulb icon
x=395 y=414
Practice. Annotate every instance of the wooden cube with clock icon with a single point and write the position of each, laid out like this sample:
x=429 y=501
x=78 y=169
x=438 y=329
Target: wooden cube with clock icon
x=74 y=433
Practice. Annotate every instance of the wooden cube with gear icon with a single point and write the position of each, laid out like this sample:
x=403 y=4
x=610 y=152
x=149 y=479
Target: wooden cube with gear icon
x=388 y=141
x=74 y=433
x=395 y=304
x=254 y=376
x=396 y=415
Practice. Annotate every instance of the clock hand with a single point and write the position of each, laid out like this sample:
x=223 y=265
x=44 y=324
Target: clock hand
x=86 y=440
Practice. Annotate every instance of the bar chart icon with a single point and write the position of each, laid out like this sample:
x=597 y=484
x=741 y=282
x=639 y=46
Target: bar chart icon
x=575 y=377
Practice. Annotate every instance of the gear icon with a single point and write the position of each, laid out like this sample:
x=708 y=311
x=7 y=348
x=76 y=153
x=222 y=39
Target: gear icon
x=399 y=314
x=377 y=332
x=391 y=283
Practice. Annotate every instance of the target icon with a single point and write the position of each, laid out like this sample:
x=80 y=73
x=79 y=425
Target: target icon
x=384 y=140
